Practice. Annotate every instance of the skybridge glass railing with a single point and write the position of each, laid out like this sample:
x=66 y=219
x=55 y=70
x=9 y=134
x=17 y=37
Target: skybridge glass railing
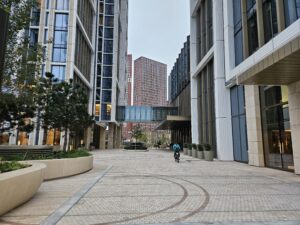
x=144 y=114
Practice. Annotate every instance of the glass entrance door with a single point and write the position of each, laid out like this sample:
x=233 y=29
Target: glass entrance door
x=276 y=128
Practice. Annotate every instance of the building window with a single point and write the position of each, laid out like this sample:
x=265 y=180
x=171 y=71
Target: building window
x=109 y=9
x=108 y=46
x=291 y=11
x=60 y=38
x=107 y=59
x=62 y=4
x=59 y=72
x=34 y=36
x=252 y=26
x=109 y=33
x=109 y=21
x=35 y=17
x=238 y=34
x=107 y=71
x=270 y=19
x=107 y=83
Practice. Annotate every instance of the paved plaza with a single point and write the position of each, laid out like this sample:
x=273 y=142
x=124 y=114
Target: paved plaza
x=127 y=187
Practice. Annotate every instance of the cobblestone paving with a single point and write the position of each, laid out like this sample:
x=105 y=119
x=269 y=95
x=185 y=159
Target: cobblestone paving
x=150 y=188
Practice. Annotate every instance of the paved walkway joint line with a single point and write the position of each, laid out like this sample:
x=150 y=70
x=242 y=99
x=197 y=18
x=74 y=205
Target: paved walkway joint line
x=59 y=213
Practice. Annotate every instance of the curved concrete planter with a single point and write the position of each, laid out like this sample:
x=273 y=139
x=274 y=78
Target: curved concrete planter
x=190 y=152
x=19 y=186
x=58 y=168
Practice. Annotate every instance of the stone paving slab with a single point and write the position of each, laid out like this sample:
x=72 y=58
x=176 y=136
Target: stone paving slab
x=149 y=188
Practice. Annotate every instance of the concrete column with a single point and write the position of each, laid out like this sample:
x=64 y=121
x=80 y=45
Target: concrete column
x=118 y=137
x=194 y=83
x=260 y=23
x=222 y=94
x=102 y=138
x=294 y=110
x=111 y=133
x=254 y=129
x=245 y=30
x=280 y=15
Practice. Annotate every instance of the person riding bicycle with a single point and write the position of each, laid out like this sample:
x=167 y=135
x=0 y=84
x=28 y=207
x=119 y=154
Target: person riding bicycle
x=176 y=149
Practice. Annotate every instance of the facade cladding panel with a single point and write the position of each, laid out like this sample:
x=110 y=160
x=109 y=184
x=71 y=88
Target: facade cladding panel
x=180 y=74
x=4 y=26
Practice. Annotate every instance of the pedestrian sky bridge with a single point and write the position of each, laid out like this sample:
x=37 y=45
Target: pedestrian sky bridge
x=145 y=114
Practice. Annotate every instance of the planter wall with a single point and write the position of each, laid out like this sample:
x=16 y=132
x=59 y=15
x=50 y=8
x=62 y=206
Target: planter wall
x=209 y=155
x=58 y=168
x=190 y=152
x=19 y=186
x=200 y=155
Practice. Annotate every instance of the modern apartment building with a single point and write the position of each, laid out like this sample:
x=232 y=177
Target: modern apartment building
x=150 y=85
x=150 y=82
x=111 y=79
x=246 y=54
x=179 y=96
x=4 y=27
x=66 y=30
x=85 y=41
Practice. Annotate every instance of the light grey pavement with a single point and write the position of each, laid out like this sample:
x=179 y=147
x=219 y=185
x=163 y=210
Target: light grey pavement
x=127 y=187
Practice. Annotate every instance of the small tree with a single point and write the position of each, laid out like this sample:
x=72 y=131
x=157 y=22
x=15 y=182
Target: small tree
x=137 y=132
x=63 y=106
x=22 y=65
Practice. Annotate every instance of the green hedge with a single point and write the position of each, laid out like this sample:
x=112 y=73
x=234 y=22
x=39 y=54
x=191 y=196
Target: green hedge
x=11 y=166
x=55 y=155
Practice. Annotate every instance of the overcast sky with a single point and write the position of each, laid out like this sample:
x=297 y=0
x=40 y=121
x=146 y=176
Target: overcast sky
x=158 y=29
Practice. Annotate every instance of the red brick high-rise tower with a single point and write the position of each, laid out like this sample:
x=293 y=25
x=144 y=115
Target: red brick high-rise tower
x=150 y=82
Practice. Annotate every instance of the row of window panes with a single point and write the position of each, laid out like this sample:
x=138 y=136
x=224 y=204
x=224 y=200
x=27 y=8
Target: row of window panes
x=108 y=32
x=60 y=4
x=107 y=59
x=60 y=38
x=291 y=12
x=59 y=72
x=105 y=111
x=107 y=71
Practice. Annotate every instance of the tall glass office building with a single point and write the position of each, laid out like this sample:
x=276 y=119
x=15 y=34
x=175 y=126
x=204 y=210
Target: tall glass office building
x=110 y=71
x=255 y=78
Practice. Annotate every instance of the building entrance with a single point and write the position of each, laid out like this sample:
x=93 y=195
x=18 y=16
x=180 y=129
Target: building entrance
x=277 y=139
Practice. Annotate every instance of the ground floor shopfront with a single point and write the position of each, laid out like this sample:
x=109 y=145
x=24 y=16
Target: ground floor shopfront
x=261 y=126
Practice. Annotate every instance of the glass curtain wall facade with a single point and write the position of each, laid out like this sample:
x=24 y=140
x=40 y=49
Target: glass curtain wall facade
x=291 y=11
x=180 y=74
x=205 y=29
x=270 y=19
x=277 y=136
x=104 y=71
x=239 y=125
x=252 y=26
x=206 y=107
x=276 y=124
x=238 y=32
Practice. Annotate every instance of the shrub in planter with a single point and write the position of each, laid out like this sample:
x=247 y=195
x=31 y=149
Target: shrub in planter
x=185 y=148
x=200 y=154
x=190 y=147
x=194 y=152
x=208 y=152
